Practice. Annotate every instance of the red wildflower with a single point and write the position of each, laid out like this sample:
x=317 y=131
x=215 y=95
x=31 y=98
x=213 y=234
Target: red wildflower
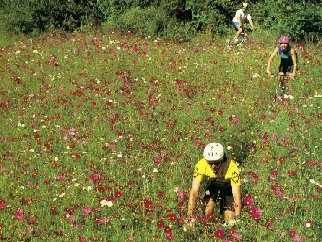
x=219 y=233
x=2 y=203
x=274 y=172
x=248 y=201
x=292 y=233
x=160 y=223
x=181 y=203
x=118 y=194
x=168 y=230
x=170 y=237
x=281 y=159
x=171 y=216
x=315 y=196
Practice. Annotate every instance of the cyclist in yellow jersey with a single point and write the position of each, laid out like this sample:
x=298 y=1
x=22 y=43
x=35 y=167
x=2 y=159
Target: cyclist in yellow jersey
x=223 y=184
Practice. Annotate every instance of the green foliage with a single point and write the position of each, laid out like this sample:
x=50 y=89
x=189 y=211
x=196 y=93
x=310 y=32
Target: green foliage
x=299 y=20
x=148 y=21
x=212 y=15
x=31 y=15
x=181 y=32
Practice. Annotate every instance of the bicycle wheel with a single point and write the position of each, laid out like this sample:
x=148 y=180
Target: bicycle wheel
x=232 y=42
x=242 y=41
x=278 y=93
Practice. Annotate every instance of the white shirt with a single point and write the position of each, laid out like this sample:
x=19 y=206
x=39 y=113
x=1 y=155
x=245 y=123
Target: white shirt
x=242 y=15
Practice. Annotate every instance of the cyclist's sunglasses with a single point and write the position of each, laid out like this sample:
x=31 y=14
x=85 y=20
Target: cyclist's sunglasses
x=215 y=162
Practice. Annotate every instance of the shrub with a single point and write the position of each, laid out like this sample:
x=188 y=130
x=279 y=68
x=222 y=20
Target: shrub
x=298 y=20
x=149 y=21
x=28 y=16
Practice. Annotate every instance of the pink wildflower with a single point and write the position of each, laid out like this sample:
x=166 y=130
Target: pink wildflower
x=19 y=215
x=237 y=236
x=86 y=211
x=277 y=192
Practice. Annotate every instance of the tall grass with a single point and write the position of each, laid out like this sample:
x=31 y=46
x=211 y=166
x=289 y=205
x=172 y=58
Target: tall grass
x=100 y=135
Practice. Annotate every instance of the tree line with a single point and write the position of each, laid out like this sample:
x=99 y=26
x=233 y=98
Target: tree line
x=176 y=19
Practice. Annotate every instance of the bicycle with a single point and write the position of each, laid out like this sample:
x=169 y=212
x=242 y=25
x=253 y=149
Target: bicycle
x=282 y=90
x=241 y=41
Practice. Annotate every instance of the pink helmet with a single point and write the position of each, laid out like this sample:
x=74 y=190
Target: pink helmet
x=284 y=40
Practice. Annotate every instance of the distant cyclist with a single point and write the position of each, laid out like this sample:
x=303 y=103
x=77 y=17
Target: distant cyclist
x=223 y=185
x=240 y=18
x=288 y=58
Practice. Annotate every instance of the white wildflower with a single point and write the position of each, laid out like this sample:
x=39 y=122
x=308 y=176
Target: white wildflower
x=62 y=195
x=89 y=188
x=106 y=203
x=119 y=155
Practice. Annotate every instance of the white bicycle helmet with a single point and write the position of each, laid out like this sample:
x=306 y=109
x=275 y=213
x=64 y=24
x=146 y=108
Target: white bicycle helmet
x=213 y=152
x=245 y=5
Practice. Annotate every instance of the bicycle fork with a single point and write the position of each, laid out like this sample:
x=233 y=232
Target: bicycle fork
x=281 y=90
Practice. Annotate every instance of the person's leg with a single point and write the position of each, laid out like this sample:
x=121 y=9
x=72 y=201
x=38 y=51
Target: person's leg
x=210 y=206
x=235 y=25
x=240 y=30
x=228 y=199
x=281 y=72
x=210 y=197
x=229 y=216
x=287 y=83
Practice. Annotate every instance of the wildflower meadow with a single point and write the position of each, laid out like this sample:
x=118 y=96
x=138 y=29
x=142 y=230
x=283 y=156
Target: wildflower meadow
x=100 y=134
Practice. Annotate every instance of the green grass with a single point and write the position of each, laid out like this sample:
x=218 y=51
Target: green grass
x=114 y=117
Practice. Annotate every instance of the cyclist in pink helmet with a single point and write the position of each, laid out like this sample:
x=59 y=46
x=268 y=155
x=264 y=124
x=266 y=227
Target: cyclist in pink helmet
x=288 y=58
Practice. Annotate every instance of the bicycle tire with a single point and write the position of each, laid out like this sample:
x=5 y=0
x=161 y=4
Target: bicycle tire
x=231 y=42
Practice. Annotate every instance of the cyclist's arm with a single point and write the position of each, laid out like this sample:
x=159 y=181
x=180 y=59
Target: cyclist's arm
x=237 y=199
x=293 y=54
x=270 y=60
x=252 y=24
x=250 y=20
x=194 y=192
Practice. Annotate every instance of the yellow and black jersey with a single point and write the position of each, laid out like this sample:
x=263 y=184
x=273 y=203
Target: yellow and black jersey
x=228 y=171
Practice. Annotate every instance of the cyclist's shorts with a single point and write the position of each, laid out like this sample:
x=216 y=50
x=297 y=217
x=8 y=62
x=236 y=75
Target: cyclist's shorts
x=221 y=194
x=285 y=66
x=235 y=25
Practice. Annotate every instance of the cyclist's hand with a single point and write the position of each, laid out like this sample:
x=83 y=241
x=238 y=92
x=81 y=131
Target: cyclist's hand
x=291 y=75
x=232 y=222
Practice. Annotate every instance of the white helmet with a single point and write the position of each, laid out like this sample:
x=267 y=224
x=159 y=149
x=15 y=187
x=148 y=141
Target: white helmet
x=245 y=5
x=213 y=152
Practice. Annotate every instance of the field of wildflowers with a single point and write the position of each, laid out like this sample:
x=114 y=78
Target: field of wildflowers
x=100 y=134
